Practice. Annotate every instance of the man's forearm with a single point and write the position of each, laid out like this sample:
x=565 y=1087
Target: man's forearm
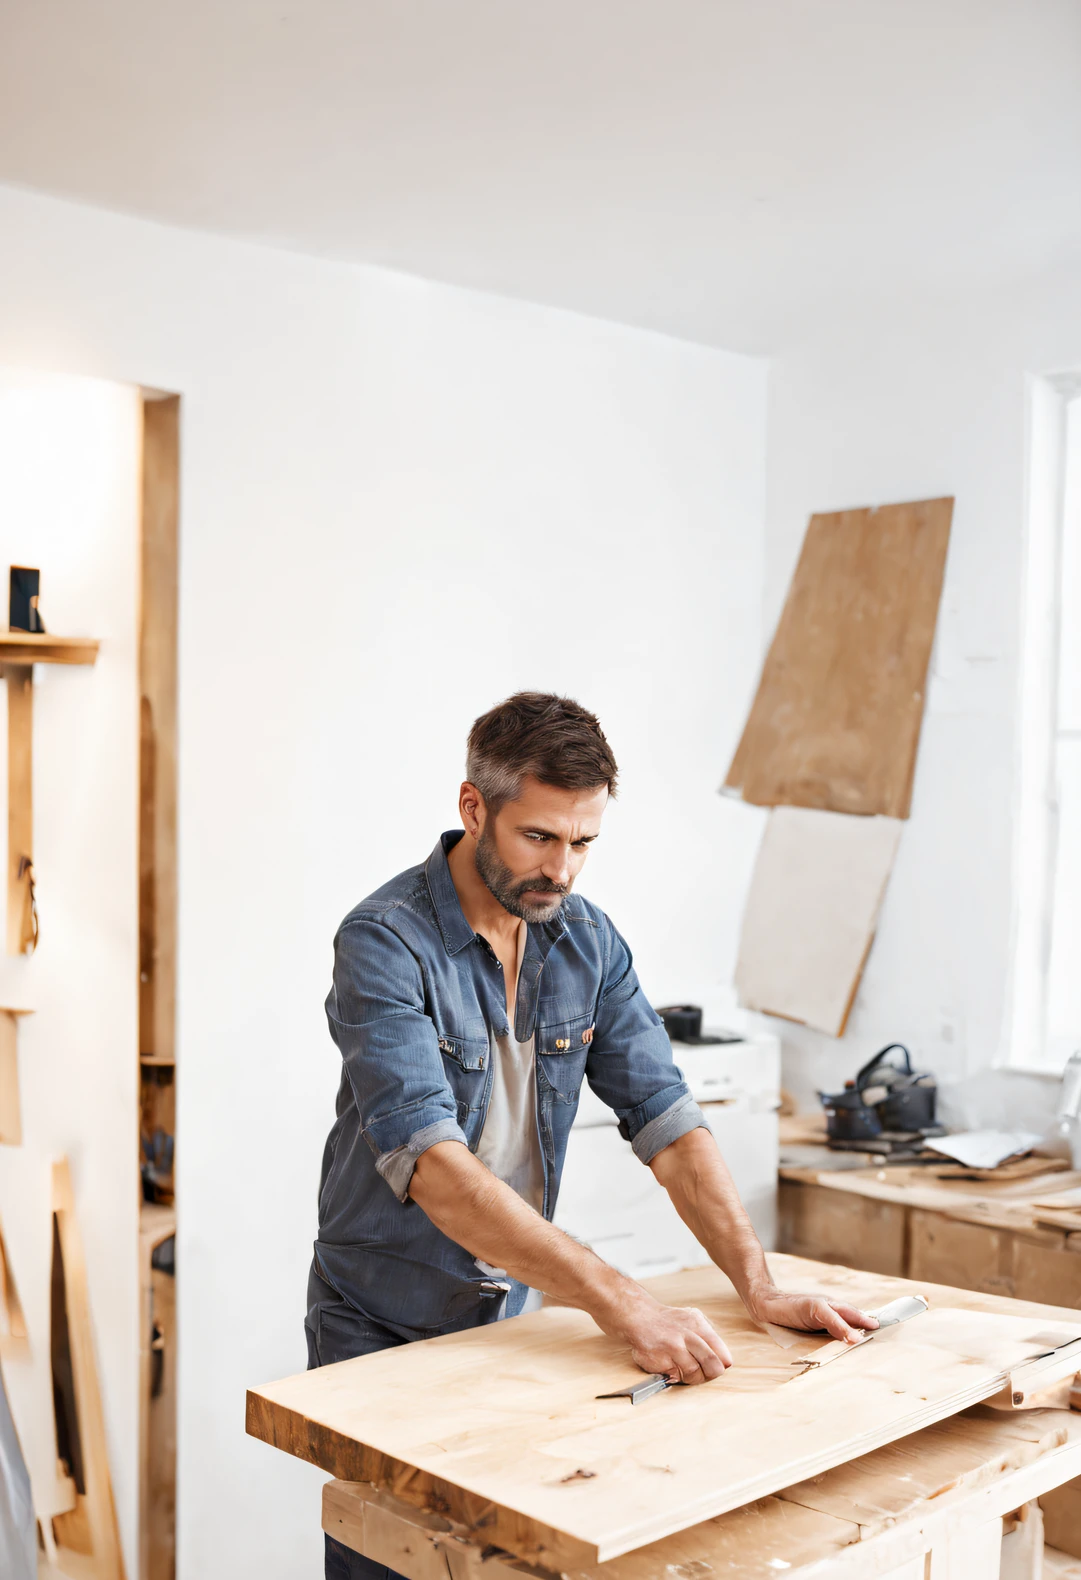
x=696 y=1177
x=472 y=1207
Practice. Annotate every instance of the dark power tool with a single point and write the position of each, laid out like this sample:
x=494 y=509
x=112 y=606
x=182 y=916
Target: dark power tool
x=884 y=1096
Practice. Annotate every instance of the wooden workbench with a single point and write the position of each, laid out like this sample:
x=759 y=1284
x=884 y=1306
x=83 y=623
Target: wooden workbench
x=1010 y=1237
x=455 y=1454
x=948 y=1502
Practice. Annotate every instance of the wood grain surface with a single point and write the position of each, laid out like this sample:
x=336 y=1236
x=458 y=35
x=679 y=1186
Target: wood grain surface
x=500 y=1427
x=836 y=720
x=809 y=1524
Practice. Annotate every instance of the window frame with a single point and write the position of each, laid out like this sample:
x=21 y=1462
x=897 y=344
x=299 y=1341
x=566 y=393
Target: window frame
x=1035 y=846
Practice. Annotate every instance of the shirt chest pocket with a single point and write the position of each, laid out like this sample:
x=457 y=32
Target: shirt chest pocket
x=562 y=1047
x=465 y=1063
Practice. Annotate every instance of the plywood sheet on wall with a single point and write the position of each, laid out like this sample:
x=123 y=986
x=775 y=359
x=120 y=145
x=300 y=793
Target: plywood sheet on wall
x=836 y=720
x=811 y=913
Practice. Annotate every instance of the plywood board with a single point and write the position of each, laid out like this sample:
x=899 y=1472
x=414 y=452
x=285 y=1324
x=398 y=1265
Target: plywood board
x=811 y=913
x=836 y=720
x=500 y=1427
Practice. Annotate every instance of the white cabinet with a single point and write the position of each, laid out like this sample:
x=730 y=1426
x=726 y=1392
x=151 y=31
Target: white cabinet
x=612 y=1202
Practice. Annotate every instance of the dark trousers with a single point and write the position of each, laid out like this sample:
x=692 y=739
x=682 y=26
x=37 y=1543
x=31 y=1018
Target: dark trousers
x=335 y=1332
x=342 y=1563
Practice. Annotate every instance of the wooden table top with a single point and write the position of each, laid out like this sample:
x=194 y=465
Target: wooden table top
x=500 y=1426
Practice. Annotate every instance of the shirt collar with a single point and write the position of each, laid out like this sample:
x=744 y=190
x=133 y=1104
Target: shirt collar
x=448 y=908
x=455 y=929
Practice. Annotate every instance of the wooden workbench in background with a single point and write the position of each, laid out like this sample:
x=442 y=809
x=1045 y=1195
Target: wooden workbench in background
x=1001 y=1234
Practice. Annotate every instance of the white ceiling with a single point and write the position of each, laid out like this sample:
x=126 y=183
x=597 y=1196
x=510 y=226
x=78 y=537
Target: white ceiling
x=705 y=167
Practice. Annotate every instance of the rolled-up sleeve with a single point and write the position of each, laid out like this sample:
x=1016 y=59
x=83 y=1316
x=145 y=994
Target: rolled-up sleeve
x=630 y=1064
x=390 y=1049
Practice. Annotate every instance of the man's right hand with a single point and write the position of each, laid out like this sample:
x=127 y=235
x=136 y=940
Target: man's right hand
x=674 y=1341
x=485 y=1216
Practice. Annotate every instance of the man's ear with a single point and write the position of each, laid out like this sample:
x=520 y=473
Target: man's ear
x=472 y=809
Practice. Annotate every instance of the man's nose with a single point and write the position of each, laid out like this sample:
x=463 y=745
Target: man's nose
x=557 y=867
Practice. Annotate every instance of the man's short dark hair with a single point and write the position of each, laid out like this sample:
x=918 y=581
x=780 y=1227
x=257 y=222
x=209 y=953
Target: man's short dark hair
x=552 y=738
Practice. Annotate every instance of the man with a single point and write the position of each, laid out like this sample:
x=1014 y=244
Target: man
x=471 y=996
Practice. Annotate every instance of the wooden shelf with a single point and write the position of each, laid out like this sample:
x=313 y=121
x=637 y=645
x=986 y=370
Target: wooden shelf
x=28 y=647
x=157 y=1061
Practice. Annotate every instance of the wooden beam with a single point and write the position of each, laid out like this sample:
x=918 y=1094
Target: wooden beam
x=93 y=1523
x=20 y=926
x=11 y=1129
x=158 y=632
x=157 y=1395
x=158 y=684
x=13 y=1333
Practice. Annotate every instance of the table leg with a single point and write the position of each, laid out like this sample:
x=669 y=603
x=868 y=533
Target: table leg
x=970 y=1552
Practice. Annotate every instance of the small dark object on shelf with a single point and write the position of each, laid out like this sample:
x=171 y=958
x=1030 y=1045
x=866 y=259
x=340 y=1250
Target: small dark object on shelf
x=25 y=590
x=883 y=1099
x=157 y=1167
x=163 y=1256
x=683 y=1023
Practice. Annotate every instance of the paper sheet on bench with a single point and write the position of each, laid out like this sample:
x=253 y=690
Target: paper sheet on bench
x=984 y=1149
x=811 y=913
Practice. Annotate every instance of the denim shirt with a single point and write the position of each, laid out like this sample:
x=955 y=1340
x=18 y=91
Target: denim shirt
x=416 y=997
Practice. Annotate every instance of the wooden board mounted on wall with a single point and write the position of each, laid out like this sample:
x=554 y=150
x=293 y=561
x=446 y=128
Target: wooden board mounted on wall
x=811 y=913
x=836 y=720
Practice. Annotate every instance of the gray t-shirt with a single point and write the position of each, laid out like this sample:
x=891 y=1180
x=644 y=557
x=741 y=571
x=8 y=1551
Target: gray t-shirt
x=510 y=1141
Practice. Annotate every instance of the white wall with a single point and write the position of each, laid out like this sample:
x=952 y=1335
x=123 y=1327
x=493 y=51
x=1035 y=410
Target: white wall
x=874 y=402
x=69 y=505
x=400 y=502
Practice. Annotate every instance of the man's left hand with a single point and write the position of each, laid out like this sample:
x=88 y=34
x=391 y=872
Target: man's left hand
x=812 y=1313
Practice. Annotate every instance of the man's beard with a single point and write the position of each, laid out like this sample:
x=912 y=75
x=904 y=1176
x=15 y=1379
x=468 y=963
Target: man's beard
x=509 y=890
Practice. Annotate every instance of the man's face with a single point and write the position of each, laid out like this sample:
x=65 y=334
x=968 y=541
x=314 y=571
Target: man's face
x=531 y=851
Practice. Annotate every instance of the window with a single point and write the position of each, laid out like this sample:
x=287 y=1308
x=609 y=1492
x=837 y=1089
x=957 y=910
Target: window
x=1046 y=1009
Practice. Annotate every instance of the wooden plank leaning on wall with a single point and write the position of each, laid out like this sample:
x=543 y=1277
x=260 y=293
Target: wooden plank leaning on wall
x=90 y=1530
x=157 y=980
